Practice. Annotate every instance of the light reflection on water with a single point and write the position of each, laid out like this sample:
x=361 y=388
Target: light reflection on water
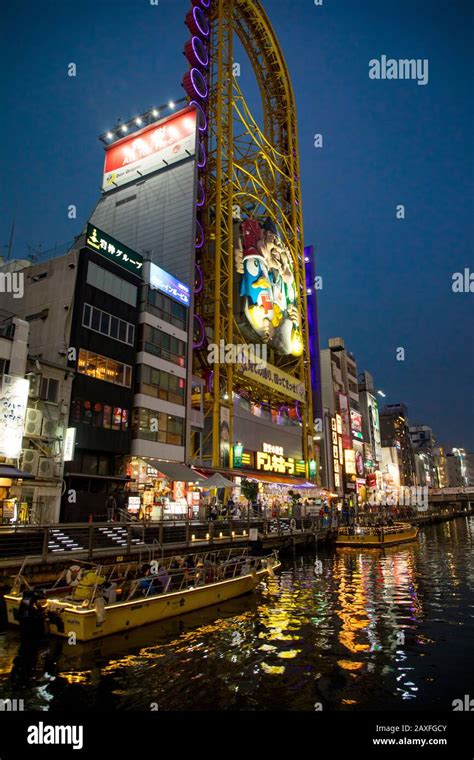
x=371 y=631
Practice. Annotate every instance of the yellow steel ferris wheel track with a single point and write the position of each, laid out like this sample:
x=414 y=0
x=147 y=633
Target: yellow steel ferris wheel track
x=257 y=167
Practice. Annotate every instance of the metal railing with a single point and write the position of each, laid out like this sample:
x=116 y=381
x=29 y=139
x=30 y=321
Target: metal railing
x=89 y=540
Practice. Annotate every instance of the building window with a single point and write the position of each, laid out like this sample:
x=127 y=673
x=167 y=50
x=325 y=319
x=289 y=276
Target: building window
x=160 y=384
x=164 y=308
x=4 y=366
x=103 y=368
x=115 y=286
x=99 y=415
x=49 y=390
x=105 y=324
x=159 y=343
x=158 y=426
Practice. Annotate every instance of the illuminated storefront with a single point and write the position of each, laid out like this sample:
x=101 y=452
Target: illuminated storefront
x=157 y=495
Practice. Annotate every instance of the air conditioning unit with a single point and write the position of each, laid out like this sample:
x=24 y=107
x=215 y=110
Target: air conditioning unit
x=46 y=467
x=49 y=428
x=33 y=422
x=35 y=386
x=30 y=461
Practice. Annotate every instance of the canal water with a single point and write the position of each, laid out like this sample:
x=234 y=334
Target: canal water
x=343 y=629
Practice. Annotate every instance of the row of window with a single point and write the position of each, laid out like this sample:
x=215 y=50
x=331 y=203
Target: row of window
x=106 y=324
x=166 y=309
x=100 y=415
x=103 y=368
x=158 y=426
x=160 y=384
x=161 y=344
x=115 y=286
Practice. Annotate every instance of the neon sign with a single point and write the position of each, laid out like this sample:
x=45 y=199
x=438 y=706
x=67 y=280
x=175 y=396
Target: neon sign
x=169 y=285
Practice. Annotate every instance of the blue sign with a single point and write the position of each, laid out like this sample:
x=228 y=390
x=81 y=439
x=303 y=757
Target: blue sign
x=169 y=285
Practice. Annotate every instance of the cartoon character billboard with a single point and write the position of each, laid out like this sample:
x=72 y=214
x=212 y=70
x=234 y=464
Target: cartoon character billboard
x=267 y=288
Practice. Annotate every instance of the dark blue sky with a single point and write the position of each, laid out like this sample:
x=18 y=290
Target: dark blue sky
x=387 y=282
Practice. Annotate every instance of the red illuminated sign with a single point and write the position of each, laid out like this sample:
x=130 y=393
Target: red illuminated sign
x=152 y=148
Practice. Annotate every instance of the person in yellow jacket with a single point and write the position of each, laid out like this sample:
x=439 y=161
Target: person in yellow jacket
x=87 y=583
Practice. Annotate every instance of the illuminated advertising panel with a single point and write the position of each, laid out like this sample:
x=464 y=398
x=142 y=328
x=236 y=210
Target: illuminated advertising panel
x=268 y=306
x=69 y=444
x=356 y=425
x=154 y=147
x=349 y=462
x=169 y=285
x=374 y=422
x=274 y=378
x=13 y=401
x=345 y=420
x=359 y=458
x=109 y=247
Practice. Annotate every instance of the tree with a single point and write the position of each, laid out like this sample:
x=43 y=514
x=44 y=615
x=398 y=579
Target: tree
x=249 y=489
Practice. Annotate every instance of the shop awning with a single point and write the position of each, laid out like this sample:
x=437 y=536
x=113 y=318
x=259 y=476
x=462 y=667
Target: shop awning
x=270 y=478
x=218 y=481
x=176 y=471
x=287 y=480
x=14 y=472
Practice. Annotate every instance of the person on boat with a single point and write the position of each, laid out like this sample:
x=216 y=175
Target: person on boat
x=109 y=592
x=146 y=580
x=85 y=588
x=31 y=615
x=162 y=580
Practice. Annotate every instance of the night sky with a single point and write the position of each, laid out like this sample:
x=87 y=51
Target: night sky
x=386 y=282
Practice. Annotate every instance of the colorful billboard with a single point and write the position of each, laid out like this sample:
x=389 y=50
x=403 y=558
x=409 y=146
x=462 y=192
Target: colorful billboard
x=345 y=420
x=152 y=148
x=268 y=304
x=169 y=285
x=356 y=425
x=359 y=458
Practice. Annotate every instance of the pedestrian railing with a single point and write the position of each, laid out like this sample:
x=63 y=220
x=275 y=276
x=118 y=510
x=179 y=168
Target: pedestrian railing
x=96 y=539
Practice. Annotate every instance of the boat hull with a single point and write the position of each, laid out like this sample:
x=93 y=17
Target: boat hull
x=376 y=542
x=87 y=624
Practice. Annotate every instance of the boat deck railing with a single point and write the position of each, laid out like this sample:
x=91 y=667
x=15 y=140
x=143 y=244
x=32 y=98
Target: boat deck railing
x=176 y=573
x=374 y=530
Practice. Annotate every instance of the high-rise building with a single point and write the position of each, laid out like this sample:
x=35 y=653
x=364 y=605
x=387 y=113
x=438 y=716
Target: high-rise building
x=371 y=430
x=340 y=396
x=423 y=444
x=460 y=468
x=440 y=466
x=394 y=431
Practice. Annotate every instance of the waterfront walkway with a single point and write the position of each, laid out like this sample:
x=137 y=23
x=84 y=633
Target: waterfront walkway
x=51 y=545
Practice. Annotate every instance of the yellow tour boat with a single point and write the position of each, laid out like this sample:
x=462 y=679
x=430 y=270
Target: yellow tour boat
x=98 y=601
x=376 y=536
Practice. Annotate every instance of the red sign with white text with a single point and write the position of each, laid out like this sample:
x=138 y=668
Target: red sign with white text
x=150 y=149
